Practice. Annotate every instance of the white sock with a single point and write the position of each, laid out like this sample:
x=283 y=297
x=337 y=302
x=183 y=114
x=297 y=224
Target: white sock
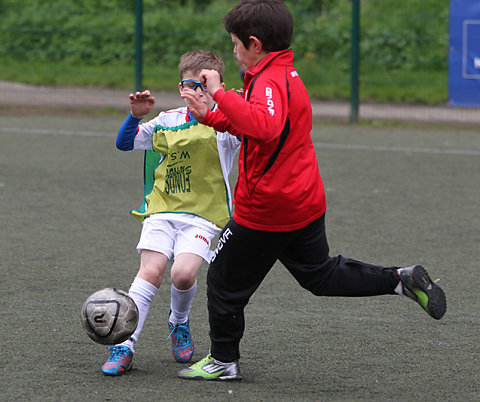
x=180 y=303
x=142 y=292
x=399 y=289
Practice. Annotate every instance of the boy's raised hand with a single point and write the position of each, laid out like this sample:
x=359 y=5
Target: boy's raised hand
x=195 y=104
x=210 y=80
x=141 y=103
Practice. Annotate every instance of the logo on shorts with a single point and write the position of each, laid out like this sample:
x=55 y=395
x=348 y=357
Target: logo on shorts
x=197 y=236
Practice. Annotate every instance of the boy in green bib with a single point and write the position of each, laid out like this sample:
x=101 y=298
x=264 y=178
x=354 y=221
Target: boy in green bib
x=187 y=201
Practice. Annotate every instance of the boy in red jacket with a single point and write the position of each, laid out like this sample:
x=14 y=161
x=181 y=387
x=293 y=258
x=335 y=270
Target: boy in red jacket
x=279 y=196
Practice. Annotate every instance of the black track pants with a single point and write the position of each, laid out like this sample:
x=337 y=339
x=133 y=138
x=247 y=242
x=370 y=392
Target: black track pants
x=245 y=256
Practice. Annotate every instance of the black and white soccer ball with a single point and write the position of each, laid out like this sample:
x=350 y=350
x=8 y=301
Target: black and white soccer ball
x=109 y=316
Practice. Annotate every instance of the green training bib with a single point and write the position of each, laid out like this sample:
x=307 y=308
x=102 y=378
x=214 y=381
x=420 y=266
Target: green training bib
x=183 y=174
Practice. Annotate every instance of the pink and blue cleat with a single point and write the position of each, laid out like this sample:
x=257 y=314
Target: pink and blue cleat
x=120 y=361
x=182 y=343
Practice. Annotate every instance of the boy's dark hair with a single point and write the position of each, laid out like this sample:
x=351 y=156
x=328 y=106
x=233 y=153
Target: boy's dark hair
x=269 y=20
x=197 y=60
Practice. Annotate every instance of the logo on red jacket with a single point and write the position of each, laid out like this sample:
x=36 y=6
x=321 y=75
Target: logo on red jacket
x=268 y=94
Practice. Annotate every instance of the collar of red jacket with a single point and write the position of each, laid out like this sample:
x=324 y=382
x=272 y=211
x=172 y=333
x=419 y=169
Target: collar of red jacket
x=280 y=57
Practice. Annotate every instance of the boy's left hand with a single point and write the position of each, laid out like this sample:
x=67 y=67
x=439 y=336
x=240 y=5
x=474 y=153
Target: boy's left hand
x=195 y=104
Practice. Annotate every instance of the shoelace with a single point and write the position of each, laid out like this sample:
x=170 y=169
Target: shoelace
x=117 y=352
x=181 y=331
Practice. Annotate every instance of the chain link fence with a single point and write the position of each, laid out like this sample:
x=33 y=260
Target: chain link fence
x=68 y=45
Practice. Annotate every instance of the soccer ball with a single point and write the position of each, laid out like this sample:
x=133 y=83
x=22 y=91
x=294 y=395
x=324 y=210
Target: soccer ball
x=109 y=316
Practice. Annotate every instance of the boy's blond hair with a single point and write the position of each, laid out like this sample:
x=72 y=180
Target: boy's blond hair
x=197 y=60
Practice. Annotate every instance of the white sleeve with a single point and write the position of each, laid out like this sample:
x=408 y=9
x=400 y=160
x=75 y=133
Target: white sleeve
x=228 y=146
x=143 y=139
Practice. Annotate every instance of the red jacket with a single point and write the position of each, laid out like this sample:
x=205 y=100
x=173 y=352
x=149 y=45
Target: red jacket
x=279 y=187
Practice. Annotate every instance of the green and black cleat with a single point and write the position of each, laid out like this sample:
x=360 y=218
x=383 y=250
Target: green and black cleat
x=418 y=286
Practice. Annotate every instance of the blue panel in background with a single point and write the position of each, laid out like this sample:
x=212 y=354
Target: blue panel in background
x=471 y=51
x=464 y=55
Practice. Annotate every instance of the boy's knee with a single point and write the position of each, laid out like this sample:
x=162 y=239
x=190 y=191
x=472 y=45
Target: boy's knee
x=183 y=278
x=151 y=275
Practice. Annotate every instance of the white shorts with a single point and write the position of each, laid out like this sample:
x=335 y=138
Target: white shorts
x=171 y=237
